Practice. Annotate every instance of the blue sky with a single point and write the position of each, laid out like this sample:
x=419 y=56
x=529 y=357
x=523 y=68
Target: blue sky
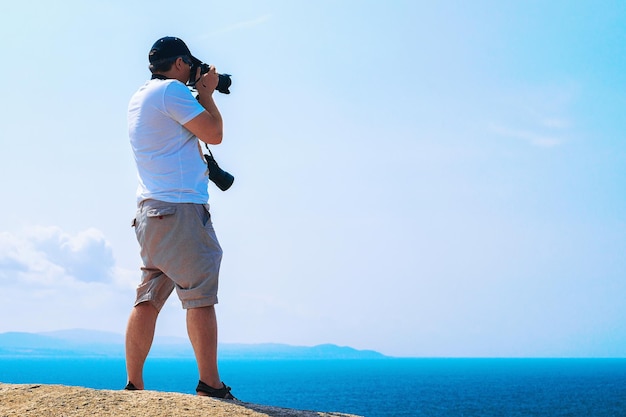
x=419 y=178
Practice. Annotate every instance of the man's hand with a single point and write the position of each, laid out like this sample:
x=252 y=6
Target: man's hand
x=207 y=82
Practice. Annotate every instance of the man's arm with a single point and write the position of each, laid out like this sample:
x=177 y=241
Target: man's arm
x=207 y=126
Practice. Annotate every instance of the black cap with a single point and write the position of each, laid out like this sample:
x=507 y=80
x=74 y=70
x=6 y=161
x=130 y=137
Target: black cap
x=170 y=47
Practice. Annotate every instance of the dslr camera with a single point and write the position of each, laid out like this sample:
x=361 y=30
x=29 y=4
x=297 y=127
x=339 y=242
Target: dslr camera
x=223 y=81
x=221 y=178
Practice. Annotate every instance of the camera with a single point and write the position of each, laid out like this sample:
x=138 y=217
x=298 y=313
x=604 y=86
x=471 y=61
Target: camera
x=221 y=178
x=223 y=81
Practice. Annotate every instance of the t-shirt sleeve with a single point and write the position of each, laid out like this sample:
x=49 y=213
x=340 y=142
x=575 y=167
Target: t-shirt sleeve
x=181 y=105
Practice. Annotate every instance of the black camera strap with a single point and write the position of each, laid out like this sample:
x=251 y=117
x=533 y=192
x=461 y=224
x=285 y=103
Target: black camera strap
x=158 y=77
x=206 y=145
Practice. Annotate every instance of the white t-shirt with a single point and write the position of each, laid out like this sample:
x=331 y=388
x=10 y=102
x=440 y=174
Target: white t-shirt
x=169 y=165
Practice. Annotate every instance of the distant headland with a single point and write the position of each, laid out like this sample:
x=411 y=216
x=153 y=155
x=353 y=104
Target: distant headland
x=89 y=343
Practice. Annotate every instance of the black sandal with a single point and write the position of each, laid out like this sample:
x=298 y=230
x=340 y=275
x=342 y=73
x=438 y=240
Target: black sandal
x=223 y=392
x=131 y=387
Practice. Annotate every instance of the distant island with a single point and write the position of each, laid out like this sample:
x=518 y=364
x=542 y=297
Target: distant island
x=90 y=343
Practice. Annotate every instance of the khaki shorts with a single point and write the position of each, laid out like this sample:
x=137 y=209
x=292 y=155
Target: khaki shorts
x=179 y=250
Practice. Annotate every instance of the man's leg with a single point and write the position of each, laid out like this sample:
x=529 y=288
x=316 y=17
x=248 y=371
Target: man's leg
x=139 y=336
x=202 y=330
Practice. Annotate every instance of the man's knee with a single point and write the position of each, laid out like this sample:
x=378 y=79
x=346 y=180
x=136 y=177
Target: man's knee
x=146 y=307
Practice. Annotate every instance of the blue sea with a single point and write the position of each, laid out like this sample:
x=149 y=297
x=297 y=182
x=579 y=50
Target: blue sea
x=372 y=388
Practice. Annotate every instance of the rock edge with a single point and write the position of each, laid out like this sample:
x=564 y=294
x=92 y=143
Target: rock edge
x=30 y=400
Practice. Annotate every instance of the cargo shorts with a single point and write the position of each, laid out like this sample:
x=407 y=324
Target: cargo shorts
x=180 y=250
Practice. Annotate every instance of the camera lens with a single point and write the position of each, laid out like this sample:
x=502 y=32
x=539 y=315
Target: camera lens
x=221 y=178
x=223 y=83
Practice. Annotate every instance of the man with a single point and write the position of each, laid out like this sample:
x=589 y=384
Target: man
x=179 y=248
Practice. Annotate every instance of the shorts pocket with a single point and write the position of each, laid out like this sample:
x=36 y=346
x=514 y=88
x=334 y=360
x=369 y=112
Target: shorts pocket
x=160 y=212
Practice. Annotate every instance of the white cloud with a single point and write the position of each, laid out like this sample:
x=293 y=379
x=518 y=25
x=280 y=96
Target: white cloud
x=86 y=256
x=540 y=115
x=535 y=138
x=54 y=280
x=556 y=123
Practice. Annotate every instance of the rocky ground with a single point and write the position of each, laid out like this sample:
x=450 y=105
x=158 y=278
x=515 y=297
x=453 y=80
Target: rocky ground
x=30 y=400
